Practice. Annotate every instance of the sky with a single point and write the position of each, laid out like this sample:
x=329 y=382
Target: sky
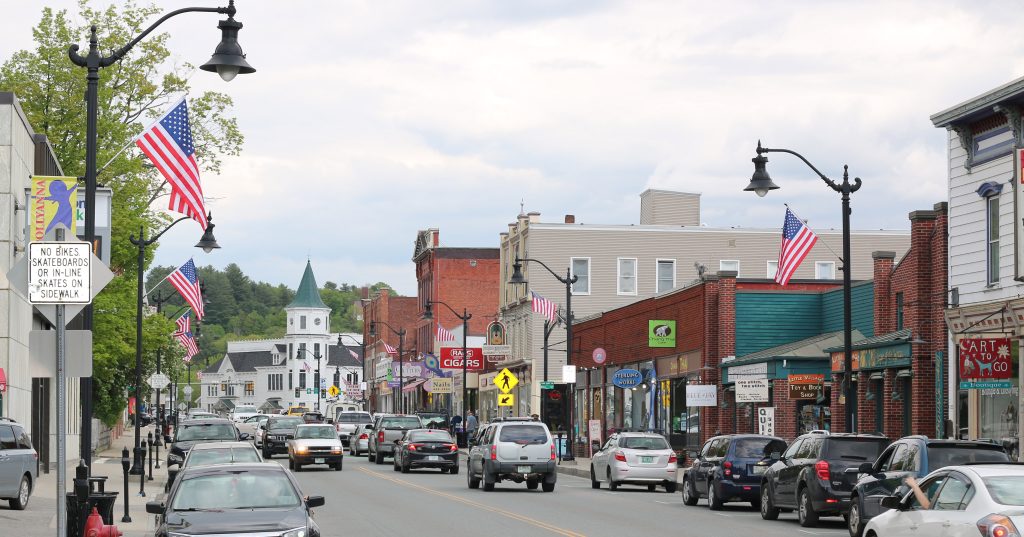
x=367 y=121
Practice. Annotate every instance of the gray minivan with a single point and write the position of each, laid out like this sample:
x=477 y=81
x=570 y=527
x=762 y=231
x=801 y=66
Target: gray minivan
x=19 y=464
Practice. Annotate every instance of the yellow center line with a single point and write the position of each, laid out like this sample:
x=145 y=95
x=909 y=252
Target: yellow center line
x=509 y=514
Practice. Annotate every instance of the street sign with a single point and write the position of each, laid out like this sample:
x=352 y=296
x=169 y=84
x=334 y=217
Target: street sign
x=506 y=381
x=158 y=381
x=188 y=391
x=333 y=391
x=100 y=276
x=323 y=383
x=309 y=391
x=547 y=385
x=569 y=374
x=506 y=399
x=766 y=421
x=182 y=406
x=59 y=273
x=497 y=350
x=451 y=358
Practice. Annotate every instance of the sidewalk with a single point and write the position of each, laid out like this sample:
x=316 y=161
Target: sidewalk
x=106 y=463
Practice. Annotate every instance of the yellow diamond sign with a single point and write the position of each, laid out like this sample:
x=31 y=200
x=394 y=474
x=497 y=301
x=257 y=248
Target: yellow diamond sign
x=506 y=381
x=506 y=399
x=333 y=391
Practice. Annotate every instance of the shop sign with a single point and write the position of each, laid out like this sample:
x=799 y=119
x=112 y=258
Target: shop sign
x=766 y=421
x=599 y=356
x=985 y=384
x=439 y=385
x=880 y=358
x=451 y=358
x=661 y=334
x=487 y=382
x=806 y=386
x=627 y=378
x=701 y=395
x=985 y=359
x=747 y=371
x=496 y=333
x=752 y=391
x=381 y=368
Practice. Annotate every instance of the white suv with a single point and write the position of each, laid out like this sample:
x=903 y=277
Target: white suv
x=514 y=449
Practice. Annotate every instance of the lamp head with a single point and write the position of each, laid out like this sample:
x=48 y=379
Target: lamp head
x=373 y=329
x=517 y=273
x=208 y=243
x=427 y=313
x=760 y=182
x=228 y=60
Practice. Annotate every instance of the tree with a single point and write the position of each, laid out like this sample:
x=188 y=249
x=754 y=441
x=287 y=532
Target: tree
x=132 y=92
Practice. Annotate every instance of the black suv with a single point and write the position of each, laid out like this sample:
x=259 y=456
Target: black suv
x=729 y=468
x=192 y=432
x=915 y=456
x=811 y=475
x=276 y=434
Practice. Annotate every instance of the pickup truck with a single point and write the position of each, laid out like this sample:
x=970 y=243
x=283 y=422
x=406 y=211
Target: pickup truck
x=386 y=431
x=345 y=423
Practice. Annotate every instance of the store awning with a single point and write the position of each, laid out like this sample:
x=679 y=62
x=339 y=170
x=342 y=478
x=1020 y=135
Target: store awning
x=413 y=385
x=224 y=404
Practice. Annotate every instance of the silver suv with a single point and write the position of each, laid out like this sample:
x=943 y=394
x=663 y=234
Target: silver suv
x=19 y=464
x=514 y=449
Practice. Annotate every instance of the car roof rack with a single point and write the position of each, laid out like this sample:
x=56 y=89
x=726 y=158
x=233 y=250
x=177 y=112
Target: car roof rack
x=516 y=418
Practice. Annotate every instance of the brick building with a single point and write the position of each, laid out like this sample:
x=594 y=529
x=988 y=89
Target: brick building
x=399 y=313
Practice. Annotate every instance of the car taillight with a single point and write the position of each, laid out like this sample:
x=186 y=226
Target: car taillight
x=620 y=457
x=453 y=447
x=414 y=447
x=494 y=453
x=672 y=459
x=364 y=436
x=380 y=436
x=821 y=468
x=996 y=525
x=728 y=467
x=552 y=451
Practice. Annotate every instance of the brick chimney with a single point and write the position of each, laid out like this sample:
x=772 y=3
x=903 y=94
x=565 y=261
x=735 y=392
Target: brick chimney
x=570 y=219
x=885 y=315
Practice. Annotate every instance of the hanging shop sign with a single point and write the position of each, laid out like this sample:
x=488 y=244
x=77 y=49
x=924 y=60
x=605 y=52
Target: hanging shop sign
x=766 y=421
x=747 y=371
x=661 y=334
x=451 y=358
x=752 y=391
x=806 y=386
x=599 y=356
x=879 y=358
x=627 y=378
x=701 y=395
x=988 y=359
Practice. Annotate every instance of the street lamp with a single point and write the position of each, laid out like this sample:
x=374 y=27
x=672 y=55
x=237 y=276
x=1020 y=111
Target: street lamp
x=142 y=242
x=401 y=348
x=465 y=317
x=761 y=183
x=568 y=280
x=228 y=60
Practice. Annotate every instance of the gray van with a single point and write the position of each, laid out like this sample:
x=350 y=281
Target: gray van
x=19 y=464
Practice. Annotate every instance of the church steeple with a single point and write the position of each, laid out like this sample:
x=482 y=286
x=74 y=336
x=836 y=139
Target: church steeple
x=308 y=295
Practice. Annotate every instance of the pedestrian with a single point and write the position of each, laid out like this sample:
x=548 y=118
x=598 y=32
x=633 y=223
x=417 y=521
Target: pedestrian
x=471 y=424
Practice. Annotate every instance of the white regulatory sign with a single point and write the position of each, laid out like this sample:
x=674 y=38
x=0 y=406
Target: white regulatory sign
x=59 y=273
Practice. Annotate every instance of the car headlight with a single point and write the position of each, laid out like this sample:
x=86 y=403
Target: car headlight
x=300 y=449
x=336 y=450
x=297 y=532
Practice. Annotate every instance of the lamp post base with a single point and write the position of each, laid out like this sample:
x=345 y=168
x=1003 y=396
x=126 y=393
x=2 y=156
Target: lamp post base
x=137 y=464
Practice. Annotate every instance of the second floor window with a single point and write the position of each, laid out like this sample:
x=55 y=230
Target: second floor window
x=211 y=390
x=250 y=388
x=291 y=380
x=729 y=264
x=773 y=269
x=992 y=239
x=666 y=275
x=627 y=276
x=275 y=382
x=581 y=269
x=825 y=270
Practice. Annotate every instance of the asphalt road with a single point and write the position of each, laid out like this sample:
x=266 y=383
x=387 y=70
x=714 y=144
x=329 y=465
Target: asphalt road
x=369 y=499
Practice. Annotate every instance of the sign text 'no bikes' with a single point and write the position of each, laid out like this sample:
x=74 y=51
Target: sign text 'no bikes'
x=59 y=273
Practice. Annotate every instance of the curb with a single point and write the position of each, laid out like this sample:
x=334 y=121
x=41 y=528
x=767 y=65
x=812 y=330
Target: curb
x=573 y=470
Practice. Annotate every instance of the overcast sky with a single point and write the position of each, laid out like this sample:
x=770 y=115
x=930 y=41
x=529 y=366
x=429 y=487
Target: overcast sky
x=369 y=120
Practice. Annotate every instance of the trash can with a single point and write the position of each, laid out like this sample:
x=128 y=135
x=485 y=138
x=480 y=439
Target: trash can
x=104 y=503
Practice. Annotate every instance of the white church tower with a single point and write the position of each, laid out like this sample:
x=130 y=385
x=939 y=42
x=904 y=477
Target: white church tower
x=307 y=335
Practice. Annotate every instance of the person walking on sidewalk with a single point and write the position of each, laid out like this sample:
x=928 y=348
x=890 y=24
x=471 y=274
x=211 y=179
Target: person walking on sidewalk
x=471 y=424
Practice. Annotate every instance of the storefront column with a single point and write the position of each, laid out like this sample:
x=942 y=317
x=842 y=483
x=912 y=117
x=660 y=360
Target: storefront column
x=838 y=409
x=785 y=410
x=923 y=391
x=893 y=416
x=727 y=403
x=865 y=408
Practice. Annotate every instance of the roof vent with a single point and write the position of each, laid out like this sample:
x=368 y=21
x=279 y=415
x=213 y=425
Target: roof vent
x=570 y=219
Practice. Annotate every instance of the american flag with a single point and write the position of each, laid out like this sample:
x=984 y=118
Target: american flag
x=306 y=367
x=443 y=334
x=389 y=348
x=186 y=281
x=797 y=241
x=184 y=324
x=168 y=144
x=544 y=306
x=188 y=341
x=354 y=355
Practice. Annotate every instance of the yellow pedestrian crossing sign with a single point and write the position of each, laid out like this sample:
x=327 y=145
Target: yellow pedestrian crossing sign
x=506 y=381
x=506 y=399
x=333 y=391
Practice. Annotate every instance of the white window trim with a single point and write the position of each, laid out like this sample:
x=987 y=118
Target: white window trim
x=770 y=273
x=737 y=261
x=657 y=277
x=989 y=282
x=590 y=275
x=833 y=273
x=618 y=275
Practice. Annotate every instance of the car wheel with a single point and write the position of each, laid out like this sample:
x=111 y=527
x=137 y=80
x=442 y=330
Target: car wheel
x=405 y=468
x=768 y=509
x=650 y=488
x=671 y=487
x=689 y=493
x=394 y=464
x=488 y=482
x=594 y=483
x=548 y=487
x=471 y=480
x=455 y=468
x=532 y=484
x=298 y=467
x=805 y=511
x=378 y=458
x=612 y=485
x=853 y=521
x=714 y=502
x=20 y=501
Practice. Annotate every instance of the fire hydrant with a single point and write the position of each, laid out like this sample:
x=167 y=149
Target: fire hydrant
x=94 y=527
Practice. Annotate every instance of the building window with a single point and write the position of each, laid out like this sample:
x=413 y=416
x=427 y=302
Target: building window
x=825 y=270
x=627 y=276
x=666 y=275
x=581 y=269
x=229 y=390
x=729 y=264
x=291 y=352
x=992 y=242
x=302 y=380
x=316 y=350
x=773 y=269
x=899 y=311
x=302 y=351
x=274 y=382
x=291 y=380
x=302 y=322
x=211 y=390
x=250 y=388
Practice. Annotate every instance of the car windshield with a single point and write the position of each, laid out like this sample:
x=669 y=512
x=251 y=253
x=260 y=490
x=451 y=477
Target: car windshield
x=353 y=418
x=855 y=449
x=757 y=448
x=206 y=457
x=643 y=442
x=430 y=436
x=206 y=431
x=1006 y=489
x=433 y=421
x=316 y=432
x=235 y=490
x=403 y=423
x=940 y=456
x=523 y=434
x=285 y=424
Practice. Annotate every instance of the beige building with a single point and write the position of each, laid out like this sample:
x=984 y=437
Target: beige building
x=620 y=264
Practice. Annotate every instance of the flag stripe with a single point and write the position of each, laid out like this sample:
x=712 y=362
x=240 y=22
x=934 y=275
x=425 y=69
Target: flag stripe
x=543 y=306
x=797 y=241
x=444 y=334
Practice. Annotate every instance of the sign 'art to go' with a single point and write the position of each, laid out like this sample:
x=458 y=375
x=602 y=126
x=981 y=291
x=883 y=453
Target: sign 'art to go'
x=986 y=358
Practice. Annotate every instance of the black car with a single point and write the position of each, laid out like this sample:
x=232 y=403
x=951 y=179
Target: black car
x=811 y=475
x=427 y=448
x=191 y=432
x=229 y=499
x=729 y=468
x=277 y=432
x=915 y=456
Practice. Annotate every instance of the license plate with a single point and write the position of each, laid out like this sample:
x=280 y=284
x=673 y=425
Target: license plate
x=646 y=460
x=757 y=470
x=318 y=461
x=523 y=469
x=433 y=458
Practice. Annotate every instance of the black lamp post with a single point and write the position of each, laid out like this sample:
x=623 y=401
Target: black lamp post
x=316 y=379
x=465 y=317
x=761 y=183
x=401 y=348
x=568 y=280
x=227 y=60
x=208 y=244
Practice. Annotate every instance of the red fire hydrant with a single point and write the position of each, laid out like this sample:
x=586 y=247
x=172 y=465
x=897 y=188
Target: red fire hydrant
x=94 y=526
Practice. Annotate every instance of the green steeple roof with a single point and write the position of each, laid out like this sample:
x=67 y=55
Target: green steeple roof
x=308 y=295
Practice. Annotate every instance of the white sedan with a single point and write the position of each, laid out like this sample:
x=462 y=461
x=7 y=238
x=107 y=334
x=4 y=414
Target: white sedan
x=961 y=501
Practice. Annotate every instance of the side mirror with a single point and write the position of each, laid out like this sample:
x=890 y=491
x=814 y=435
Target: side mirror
x=313 y=501
x=775 y=456
x=866 y=468
x=692 y=454
x=244 y=436
x=168 y=439
x=892 y=502
x=369 y=427
x=155 y=508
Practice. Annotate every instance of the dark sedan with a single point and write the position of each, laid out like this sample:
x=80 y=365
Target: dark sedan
x=192 y=432
x=236 y=499
x=427 y=448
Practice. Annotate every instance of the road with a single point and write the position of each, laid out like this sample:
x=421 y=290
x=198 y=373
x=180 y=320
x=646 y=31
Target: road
x=368 y=499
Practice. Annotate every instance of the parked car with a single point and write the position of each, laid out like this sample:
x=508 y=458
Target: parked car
x=359 y=440
x=635 y=459
x=224 y=499
x=243 y=412
x=513 y=449
x=315 y=444
x=811 y=475
x=729 y=468
x=192 y=432
x=19 y=464
x=295 y=411
x=345 y=423
x=386 y=430
x=276 y=434
x=214 y=453
x=312 y=417
x=427 y=448
x=915 y=456
x=962 y=501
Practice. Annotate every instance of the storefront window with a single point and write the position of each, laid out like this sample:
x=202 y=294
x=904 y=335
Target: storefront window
x=609 y=406
x=811 y=416
x=997 y=410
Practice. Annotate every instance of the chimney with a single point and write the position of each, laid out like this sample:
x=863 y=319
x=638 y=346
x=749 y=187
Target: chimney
x=570 y=219
x=885 y=317
x=534 y=217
